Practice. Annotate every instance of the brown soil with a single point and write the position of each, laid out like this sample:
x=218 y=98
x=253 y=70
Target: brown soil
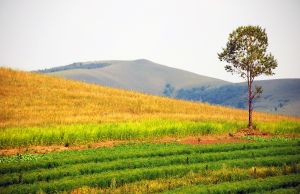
x=211 y=139
x=254 y=132
x=204 y=139
x=56 y=148
x=217 y=138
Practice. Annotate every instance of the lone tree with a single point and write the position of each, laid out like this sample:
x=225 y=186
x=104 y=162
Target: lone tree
x=246 y=53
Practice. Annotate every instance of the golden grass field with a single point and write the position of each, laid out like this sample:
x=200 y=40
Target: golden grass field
x=43 y=110
x=29 y=99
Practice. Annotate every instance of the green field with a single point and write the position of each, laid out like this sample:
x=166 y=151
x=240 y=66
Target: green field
x=169 y=167
x=77 y=134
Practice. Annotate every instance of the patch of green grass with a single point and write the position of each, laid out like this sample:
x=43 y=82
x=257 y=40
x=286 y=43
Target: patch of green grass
x=134 y=130
x=84 y=133
x=272 y=139
x=280 y=127
x=288 y=190
x=247 y=186
x=193 y=178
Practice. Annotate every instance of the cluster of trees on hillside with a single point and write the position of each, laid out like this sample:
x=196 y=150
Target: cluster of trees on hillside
x=228 y=95
x=74 y=66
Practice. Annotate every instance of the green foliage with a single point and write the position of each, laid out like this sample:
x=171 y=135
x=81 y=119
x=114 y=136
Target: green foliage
x=246 y=52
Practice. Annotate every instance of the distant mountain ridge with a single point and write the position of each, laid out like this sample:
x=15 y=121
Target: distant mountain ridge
x=79 y=65
x=279 y=96
x=140 y=75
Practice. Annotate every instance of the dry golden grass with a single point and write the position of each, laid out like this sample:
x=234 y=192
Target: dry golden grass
x=29 y=99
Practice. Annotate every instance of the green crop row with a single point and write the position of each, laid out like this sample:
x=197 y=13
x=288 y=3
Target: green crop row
x=131 y=175
x=126 y=152
x=193 y=178
x=287 y=190
x=272 y=139
x=245 y=186
x=91 y=168
x=151 y=160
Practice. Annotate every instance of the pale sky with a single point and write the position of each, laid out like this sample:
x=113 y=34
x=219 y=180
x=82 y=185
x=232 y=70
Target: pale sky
x=186 y=34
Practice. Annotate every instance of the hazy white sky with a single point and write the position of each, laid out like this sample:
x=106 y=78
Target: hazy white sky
x=186 y=34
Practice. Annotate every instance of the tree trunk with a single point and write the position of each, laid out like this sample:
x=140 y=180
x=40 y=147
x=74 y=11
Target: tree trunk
x=250 y=126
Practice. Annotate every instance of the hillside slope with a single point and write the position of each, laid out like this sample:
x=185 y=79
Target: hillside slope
x=138 y=75
x=34 y=99
x=279 y=96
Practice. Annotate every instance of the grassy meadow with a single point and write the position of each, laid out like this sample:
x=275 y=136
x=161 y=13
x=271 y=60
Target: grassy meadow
x=43 y=110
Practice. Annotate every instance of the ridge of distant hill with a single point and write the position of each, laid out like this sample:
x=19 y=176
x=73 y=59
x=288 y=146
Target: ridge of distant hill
x=139 y=75
x=74 y=66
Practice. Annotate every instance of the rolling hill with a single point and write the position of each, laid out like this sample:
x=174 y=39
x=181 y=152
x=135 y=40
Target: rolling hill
x=280 y=96
x=138 y=75
x=34 y=99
